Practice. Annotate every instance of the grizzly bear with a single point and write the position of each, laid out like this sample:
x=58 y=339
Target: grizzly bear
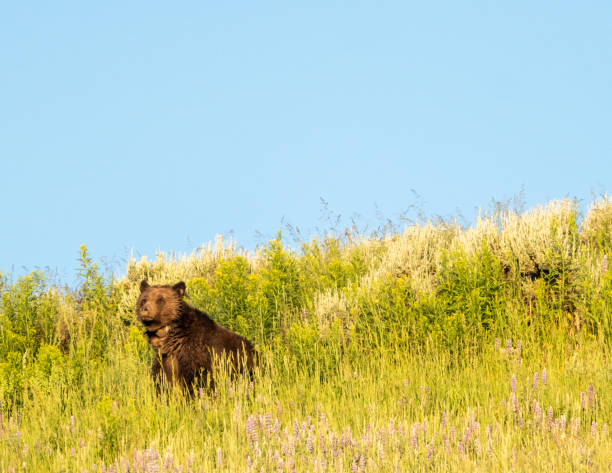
x=185 y=339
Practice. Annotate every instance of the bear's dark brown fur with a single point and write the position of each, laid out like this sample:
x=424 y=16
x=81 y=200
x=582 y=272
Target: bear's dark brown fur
x=185 y=339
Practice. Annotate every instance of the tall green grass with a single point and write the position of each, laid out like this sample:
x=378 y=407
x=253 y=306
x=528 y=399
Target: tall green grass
x=436 y=349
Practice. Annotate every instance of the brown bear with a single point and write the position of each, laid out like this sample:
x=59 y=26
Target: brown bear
x=185 y=339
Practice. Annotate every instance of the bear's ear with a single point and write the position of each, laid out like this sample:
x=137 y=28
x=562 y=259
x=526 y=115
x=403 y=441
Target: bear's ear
x=180 y=287
x=143 y=285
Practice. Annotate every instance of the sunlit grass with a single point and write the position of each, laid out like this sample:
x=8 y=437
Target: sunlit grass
x=435 y=349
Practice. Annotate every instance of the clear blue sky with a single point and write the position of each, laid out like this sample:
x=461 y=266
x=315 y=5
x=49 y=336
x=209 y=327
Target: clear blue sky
x=156 y=125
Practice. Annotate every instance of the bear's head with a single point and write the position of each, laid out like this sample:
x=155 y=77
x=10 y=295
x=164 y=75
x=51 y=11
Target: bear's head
x=158 y=306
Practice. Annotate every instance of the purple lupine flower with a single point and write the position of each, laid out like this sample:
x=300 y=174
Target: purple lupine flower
x=461 y=447
x=249 y=462
x=477 y=446
x=513 y=384
x=444 y=419
x=354 y=466
x=537 y=411
x=363 y=460
x=583 y=399
x=543 y=377
x=535 y=380
x=604 y=264
x=414 y=439
x=453 y=433
x=591 y=396
x=430 y=450
x=593 y=428
x=250 y=428
x=519 y=347
x=509 y=346
x=309 y=444
x=268 y=423
x=550 y=417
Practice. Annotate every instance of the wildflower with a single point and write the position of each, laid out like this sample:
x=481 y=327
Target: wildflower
x=513 y=383
x=519 y=347
x=309 y=444
x=497 y=344
x=535 y=380
x=604 y=264
x=268 y=423
x=250 y=428
x=461 y=447
x=444 y=419
x=362 y=462
x=537 y=411
x=550 y=417
x=591 y=396
x=430 y=450
x=477 y=446
x=446 y=442
x=583 y=399
x=593 y=428
x=509 y=346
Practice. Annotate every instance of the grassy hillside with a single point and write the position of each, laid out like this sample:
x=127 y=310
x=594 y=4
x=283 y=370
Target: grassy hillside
x=440 y=348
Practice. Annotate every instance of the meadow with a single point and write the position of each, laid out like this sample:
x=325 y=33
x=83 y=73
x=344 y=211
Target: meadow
x=434 y=348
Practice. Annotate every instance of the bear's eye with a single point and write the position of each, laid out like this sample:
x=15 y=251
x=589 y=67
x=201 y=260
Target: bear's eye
x=160 y=300
x=143 y=301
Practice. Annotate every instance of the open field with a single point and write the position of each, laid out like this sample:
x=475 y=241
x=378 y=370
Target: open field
x=435 y=349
